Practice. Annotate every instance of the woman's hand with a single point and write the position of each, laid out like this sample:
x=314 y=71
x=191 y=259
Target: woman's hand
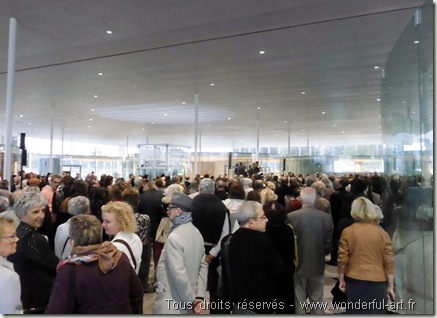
x=391 y=293
x=341 y=283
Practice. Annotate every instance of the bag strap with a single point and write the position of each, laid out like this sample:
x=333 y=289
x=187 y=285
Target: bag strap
x=65 y=244
x=72 y=286
x=296 y=255
x=228 y=266
x=129 y=249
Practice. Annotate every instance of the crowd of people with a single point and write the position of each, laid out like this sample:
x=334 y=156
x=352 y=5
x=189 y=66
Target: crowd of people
x=255 y=242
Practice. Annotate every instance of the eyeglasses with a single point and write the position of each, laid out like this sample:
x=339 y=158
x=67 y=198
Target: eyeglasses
x=10 y=237
x=260 y=218
x=171 y=207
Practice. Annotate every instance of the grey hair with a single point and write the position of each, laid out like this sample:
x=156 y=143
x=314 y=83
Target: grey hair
x=247 y=211
x=308 y=195
x=27 y=200
x=4 y=203
x=79 y=205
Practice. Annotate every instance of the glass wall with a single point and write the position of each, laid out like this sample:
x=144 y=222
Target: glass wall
x=407 y=121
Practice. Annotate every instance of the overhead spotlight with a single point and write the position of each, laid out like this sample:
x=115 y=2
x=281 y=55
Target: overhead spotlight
x=100 y=74
x=376 y=67
x=262 y=52
x=109 y=32
x=212 y=84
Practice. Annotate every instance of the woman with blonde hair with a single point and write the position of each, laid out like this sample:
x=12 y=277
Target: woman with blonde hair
x=365 y=260
x=97 y=278
x=267 y=195
x=120 y=224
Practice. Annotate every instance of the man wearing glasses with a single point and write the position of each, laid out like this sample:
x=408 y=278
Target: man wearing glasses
x=254 y=263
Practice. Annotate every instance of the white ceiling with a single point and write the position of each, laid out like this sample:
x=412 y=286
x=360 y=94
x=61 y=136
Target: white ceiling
x=163 y=52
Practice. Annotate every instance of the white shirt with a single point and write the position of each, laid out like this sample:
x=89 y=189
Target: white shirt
x=135 y=244
x=10 y=300
x=61 y=240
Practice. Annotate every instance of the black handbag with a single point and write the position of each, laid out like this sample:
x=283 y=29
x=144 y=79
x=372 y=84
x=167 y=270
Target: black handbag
x=339 y=296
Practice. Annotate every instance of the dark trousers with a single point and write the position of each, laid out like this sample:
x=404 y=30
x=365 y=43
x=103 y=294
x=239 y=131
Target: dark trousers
x=143 y=273
x=213 y=279
x=373 y=294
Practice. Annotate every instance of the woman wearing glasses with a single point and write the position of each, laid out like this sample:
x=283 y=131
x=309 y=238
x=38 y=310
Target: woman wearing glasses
x=10 y=302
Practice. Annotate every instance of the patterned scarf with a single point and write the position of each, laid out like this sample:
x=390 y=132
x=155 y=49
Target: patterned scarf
x=106 y=255
x=182 y=218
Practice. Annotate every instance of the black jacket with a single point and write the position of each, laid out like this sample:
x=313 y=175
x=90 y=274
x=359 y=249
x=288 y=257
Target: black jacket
x=256 y=267
x=35 y=262
x=151 y=204
x=209 y=214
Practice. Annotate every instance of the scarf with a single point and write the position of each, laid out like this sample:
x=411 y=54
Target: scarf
x=182 y=218
x=106 y=255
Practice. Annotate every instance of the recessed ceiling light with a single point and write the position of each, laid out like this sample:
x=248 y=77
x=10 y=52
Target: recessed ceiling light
x=100 y=74
x=285 y=121
x=109 y=32
x=29 y=123
x=212 y=84
x=142 y=128
x=259 y=107
x=379 y=116
x=277 y=135
x=95 y=96
x=93 y=110
x=376 y=67
x=36 y=129
x=229 y=118
x=89 y=126
x=91 y=119
x=416 y=42
x=207 y=125
x=342 y=132
x=301 y=130
x=165 y=114
x=153 y=122
x=403 y=102
x=135 y=133
x=303 y=93
x=414 y=112
x=183 y=103
x=323 y=112
x=378 y=99
x=21 y=116
x=262 y=52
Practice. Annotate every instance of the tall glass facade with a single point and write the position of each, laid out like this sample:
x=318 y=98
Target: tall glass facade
x=407 y=122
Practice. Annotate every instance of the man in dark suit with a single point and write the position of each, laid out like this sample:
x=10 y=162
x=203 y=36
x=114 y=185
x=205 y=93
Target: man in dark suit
x=255 y=265
x=151 y=204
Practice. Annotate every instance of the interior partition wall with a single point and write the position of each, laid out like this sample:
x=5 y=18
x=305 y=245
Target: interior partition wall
x=407 y=122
